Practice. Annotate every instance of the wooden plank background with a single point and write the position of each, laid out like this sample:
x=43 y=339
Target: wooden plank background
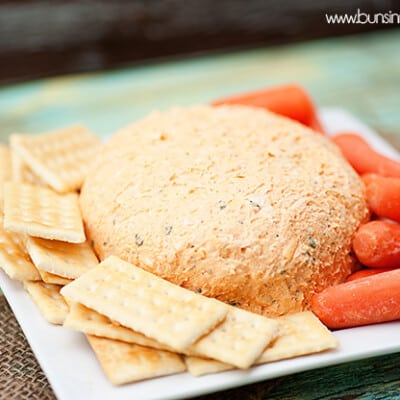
x=360 y=73
x=51 y=37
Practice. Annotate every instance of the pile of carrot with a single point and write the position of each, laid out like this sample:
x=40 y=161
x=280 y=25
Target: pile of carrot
x=372 y=294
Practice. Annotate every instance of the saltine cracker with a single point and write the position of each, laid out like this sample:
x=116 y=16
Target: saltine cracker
x=41 y=212
x=146 y=303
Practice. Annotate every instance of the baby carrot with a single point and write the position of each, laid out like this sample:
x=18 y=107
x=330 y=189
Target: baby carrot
x=291 y=101
x=361 y=302
x=363 y=273
x=363 y=157
x=383 y=195
x=377 y=244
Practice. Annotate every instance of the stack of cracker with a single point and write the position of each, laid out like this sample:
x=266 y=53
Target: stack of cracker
x=124 y=310
x=139 y=325
x=42 y=239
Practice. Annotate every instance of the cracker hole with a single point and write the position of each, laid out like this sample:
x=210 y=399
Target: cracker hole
x=108 y=295
x=176 y=327
x=156 y=301
x=237 y=345
x=140 y=293
x=125 y=303
x=202 y=307
x=91 y=288
x=140 y=311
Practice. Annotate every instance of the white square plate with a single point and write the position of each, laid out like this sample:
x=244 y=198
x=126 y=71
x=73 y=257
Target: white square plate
x=74 y=372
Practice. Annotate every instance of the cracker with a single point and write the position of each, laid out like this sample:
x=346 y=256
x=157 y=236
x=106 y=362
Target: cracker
x=41 y=212
x=70 y=260
x=60 y=158
x=48 y=300
x=300 y=334
x=14 y=259
x=5 y=163
x=22 y=173
x=239 y=339
x=88 y=321
x=198 y=366
x=127 y=362
x=47 y=277
x=5 y=169
x=146 y=303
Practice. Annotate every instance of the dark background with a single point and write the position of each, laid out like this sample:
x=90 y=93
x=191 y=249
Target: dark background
x=44 y=37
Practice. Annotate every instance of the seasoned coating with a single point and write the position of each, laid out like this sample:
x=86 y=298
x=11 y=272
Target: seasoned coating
x=231 y=202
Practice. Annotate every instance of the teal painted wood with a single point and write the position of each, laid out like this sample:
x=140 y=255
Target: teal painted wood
x=371 y=379
x=360 y=73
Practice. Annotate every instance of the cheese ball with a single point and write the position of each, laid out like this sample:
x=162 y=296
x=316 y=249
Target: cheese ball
x=232 y=202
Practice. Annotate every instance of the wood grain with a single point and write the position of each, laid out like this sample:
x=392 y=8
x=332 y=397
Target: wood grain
x=359 y=73
x=48 y=37
x=373 y=378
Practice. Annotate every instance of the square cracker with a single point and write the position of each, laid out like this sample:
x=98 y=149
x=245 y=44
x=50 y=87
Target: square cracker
x=48 y=277
x=5 y=169
x=301 y=333
x=239 y=339
x=198 y=366
x=5 y=163
x=146 y=303
x=70 y=260
x=22 y=173
x=48 y=300
x=88 y=321
x=128 y=362
x=41 y=212
x=14 y=259
x=60 y=158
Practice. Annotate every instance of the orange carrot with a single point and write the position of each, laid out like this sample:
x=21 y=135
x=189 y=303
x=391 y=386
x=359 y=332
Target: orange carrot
x=377 y=244
x=383 y=195
x=291 y=101
x=363 y=273
x=361 y=302
x=363 y=157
